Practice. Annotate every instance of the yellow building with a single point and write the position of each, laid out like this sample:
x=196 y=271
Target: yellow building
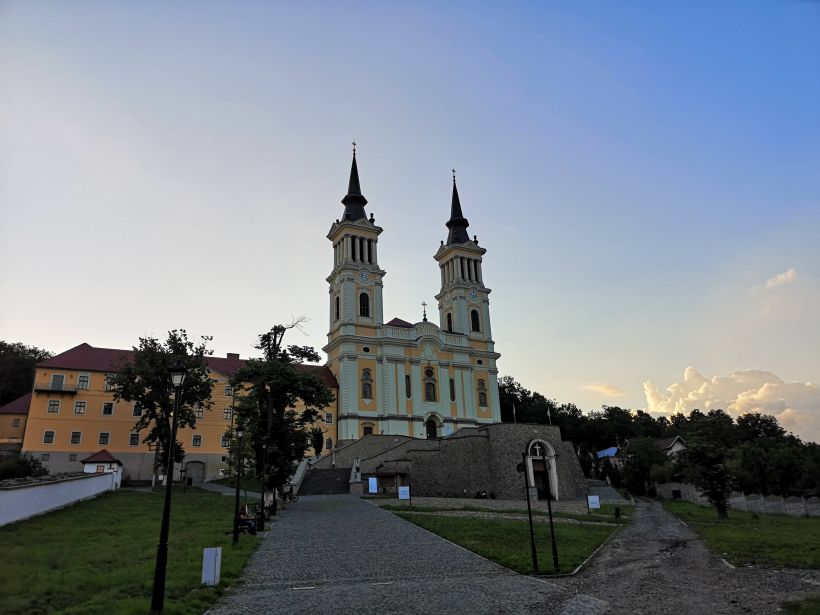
x=73 y=414
x=13 y=425
x=420 y=380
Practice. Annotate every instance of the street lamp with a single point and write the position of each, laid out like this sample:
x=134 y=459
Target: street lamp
x=239 y=433
x=158 y=597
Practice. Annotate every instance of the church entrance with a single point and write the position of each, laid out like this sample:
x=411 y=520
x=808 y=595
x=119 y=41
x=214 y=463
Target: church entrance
x=431 y=428
x=541 y=480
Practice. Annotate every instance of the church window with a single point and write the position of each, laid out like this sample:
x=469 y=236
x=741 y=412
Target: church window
x=364 y=305
x=482 y=394
x=367 y=429
x=361 y=249
x=367 y=384
x=474 y=320
x=353 y=248
x=338 y=307
x=407 y=389
x=449 y=322
x=429 y=385
x=452 y=390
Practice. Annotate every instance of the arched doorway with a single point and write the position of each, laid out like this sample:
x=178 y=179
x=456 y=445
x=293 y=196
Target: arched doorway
x=541 y=468
x=195 y=470
x=432 y=427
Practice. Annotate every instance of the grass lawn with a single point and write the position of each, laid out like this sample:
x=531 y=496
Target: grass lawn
x=749 y=538
x=507 y=542
x=98 y=556
x=606 y=513
x=810 y=606
x=248 y=483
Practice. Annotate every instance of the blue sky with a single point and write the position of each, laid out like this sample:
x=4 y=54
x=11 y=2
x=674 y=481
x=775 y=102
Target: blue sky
x=637 y=172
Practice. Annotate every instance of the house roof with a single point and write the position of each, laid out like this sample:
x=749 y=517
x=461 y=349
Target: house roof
x=102 y=456
x=87 y=357
x=666 y=443
x=607 y=452
x=17 y=406
x=398 y=322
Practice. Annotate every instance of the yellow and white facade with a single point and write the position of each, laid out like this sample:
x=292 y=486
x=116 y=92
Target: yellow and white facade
x=422 y=379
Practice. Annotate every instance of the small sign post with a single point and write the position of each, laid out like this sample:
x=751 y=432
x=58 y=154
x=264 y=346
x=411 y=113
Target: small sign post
x=372 y=485
x=593 y=501
x=404 y=492
x=211 y=565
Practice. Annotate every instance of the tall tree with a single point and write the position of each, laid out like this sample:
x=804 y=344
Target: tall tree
x=640 y=457
x=317 y=440
x=146 y=380
x=268 y=390
x=17 y=363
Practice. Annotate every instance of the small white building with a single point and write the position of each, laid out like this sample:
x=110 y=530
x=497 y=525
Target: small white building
x=103 y=462
x=671 y=446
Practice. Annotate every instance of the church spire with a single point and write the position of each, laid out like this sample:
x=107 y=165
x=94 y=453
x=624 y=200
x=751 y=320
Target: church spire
x=354 y=202
x=457 y=223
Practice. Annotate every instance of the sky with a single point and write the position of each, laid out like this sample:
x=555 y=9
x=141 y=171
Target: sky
x=644 y=176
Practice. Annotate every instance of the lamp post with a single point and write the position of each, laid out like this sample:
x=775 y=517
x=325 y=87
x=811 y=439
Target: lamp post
x=239 y=433
x=158 y=596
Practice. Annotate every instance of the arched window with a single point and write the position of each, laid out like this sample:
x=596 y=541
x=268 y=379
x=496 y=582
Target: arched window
x=364 y=304
x=449 y=322
x=338 y=307
x=452 y=390
x=429 y=385
x=408 y=391
x=367 y=384
x=474 y=320
x=482 y=394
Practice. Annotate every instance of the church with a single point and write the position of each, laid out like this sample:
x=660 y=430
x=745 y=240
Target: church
x=398 y=378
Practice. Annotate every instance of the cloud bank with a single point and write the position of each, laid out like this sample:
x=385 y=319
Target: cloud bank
x=787 y=277
x=795 y=404
x=603 y=389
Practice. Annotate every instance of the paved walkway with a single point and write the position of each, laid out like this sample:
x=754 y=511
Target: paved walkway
x=341 y=554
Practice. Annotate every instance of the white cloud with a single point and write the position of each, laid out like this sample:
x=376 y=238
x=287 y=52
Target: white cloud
x=603 y=389
x=786 y=277
x=795 y=404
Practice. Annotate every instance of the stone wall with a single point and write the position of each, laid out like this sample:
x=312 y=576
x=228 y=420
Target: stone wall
x=364 y=448
x=460 y=468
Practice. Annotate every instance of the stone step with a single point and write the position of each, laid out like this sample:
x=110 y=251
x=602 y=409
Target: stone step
x=325 y=482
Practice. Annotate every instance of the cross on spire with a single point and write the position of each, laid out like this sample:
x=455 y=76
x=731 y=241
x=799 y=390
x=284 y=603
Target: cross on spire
x=424 y=306
x=454 y=175
x=354 y=147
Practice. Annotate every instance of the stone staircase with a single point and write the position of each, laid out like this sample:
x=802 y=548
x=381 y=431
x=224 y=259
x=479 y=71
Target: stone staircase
x=325 y=482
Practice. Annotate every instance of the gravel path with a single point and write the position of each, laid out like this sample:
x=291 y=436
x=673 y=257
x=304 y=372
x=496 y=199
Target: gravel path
x=341 y=554
x=658 y=565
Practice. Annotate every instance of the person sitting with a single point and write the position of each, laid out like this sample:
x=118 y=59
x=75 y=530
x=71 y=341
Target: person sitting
x=246 y=522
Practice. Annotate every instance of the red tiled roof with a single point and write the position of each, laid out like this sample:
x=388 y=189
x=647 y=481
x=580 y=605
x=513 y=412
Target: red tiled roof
x=18 y=406
x=398 y=322
x=87 y=357
x=102 y=456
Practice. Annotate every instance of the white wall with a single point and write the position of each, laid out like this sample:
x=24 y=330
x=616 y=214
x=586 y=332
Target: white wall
x=22 y=502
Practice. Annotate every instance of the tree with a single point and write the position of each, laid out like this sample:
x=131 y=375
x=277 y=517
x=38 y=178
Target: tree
x=640 y=457
x=704 y=464
x=268 y=390
x=317 y=439
x=17 y=363
x=146 y=380
x=21 y=467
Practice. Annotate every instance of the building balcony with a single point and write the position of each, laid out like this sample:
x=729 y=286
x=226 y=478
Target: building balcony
x=54 y=387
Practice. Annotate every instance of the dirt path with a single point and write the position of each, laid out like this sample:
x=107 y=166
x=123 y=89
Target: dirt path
x=658 y=565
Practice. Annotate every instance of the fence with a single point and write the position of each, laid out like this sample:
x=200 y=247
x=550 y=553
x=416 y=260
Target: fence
x=793 y=506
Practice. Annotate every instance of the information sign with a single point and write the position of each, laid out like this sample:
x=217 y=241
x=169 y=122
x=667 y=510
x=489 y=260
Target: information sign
x=372 y=485
x=594 y=501
x=404 y=493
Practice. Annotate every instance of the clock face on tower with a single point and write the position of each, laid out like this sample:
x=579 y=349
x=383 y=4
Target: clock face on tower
x=473 y=293
x=363 y=276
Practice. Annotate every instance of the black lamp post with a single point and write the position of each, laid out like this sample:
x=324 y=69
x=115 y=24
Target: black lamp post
x=158 y=596
x=239 y=434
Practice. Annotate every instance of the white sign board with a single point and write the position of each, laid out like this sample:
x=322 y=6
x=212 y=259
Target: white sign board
x=372 y=485
x=211 y=565
x=404 y=493
x=593 y=501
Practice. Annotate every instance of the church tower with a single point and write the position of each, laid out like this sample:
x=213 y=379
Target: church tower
x=464 y=305
x=355 y=298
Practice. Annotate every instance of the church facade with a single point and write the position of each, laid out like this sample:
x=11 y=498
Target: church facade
x=421 y=380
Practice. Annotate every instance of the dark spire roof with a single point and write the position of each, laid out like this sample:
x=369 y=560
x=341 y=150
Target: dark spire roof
x=457 y=223
x=354 y=202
